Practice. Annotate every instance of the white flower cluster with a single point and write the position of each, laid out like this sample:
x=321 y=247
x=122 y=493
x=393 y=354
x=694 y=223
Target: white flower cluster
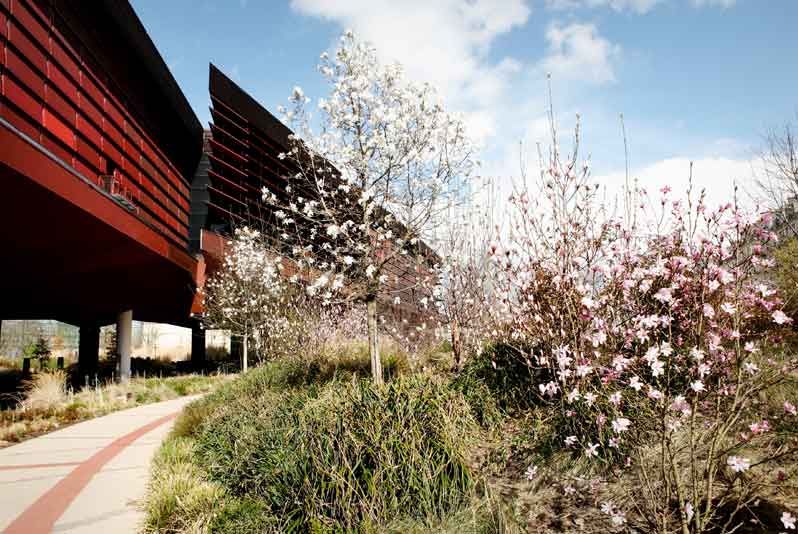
x=376 y=177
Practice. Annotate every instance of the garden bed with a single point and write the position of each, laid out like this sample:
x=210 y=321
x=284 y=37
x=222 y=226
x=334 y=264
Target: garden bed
x=46 y=403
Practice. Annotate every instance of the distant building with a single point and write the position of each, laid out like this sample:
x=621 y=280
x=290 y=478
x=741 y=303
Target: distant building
x=16 y=335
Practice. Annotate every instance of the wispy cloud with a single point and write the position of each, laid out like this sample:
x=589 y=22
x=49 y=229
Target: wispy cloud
x=725 y=4
x=444 y=42
x=577 y=51
x=640 y=7
x=637 y=6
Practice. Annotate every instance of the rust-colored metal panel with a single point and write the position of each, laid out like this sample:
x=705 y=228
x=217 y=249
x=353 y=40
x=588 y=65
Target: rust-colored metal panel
x=132 y=132
x=23 y=100
x=88 y=130
x=128 y=166
x=111 y=132
x=61 y=130
x=115 y=116
x=110 y=152
x=29 y=77
x=148 y=169
x=3 y=25
x=22 y=122
x=63 y=82
x=26 y=47
x=25 y=159
x=90 y=154
x=90 y=110
x=84 y=169
x=26 y=19
x=57 y=149
x=93 y=92
x=61 y=106
x=160 y=164
x=65 y=60
x=66 y=92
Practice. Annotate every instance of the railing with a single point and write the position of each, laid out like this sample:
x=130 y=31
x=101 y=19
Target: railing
x=118 y=191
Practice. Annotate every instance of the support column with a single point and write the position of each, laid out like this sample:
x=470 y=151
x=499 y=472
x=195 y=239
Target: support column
x=88 y=351
x=198 y=354
x=236 y=353
x=124 y=333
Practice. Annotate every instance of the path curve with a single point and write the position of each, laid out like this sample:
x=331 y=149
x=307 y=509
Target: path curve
x=87 y=478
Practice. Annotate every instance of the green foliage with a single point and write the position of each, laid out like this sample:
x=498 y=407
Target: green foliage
x=344 y=457
x=785 y=275
x=497 y=380
x=354 y=359
x=40 y=350
x=243 y=515
x=179 y=499
x=192 y=416
x=483 y=515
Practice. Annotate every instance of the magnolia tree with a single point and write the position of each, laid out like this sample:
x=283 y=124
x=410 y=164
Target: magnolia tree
x=651 y=346
x=246 y=295
x=376 y=177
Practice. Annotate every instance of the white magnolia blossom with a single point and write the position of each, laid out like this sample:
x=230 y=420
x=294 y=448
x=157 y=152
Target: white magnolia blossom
x=245 y=295
x=390 y=160
x=737 y=464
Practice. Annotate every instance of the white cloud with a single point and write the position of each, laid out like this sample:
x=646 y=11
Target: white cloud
x=444 y=42
x=638 y=6
x=724 y=4
x=577 y=51
x=715 y=175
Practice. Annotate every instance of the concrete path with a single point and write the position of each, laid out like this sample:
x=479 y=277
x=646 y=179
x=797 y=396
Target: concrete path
x=87 y=478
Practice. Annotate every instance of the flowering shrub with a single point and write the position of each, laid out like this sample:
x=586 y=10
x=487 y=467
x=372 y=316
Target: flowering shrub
x=246 y=294
x=251 y=296
x=650 y=342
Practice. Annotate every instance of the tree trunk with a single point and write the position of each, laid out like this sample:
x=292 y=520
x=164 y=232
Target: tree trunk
x=244 y=355
x=374 y=349
x=456 y=345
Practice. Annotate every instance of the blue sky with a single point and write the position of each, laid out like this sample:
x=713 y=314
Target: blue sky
x=696 y=80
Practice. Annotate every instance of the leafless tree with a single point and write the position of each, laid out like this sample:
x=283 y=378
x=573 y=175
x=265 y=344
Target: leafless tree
x=464 y=285
x=779 y=177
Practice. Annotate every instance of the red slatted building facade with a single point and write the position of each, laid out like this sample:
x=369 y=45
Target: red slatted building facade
x=115 y=203
x=98 y=147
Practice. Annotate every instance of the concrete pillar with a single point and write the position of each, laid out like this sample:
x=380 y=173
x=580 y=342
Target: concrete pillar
x=235 y=349
x=198 y=355
x=88 y=351
x=124 y=334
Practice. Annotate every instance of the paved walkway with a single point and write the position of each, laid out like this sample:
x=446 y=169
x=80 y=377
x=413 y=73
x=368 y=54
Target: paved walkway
x=86 y=478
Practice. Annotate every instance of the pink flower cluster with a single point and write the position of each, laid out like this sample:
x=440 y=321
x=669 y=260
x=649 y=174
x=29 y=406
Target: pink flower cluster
x=611 y=315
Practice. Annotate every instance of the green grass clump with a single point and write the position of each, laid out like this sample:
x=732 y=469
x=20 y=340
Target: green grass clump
x=497 y=381
x=239 y=515
x=192 y=416
x=344 y=457
x=179 y=498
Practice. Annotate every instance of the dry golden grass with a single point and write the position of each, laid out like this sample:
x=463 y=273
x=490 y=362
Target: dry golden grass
x=47 y=403
x=44 y=392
